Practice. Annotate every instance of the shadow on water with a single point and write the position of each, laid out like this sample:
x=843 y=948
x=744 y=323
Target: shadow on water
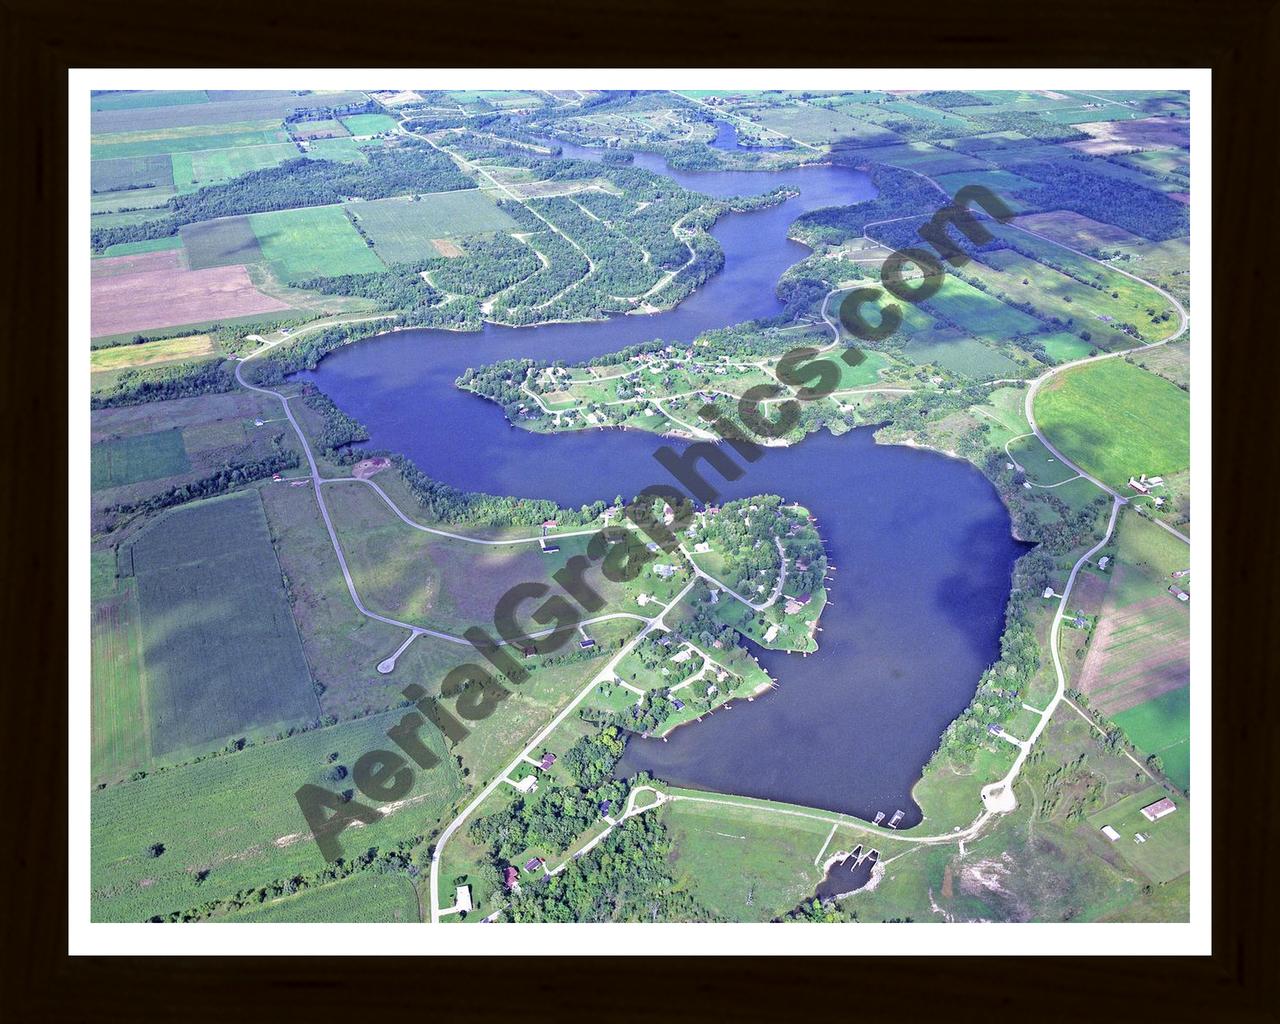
x=921 y=541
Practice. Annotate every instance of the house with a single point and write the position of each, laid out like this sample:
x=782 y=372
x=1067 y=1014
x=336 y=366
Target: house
x=604 y=807
x=1162 y=807
x=549 y=549
x=548 y=759
x=994 y=729
x=529 y=784
x=1103 y=562
x=795 y=604
x=510 y=877
x=701 y=548
x=1110 y=833
x=462 y=898
x=1048 y=593
x=533 y=864
x=771 y=633
x=586 y=643
x=678 y=705
x=1178 y=574
x=665 y=571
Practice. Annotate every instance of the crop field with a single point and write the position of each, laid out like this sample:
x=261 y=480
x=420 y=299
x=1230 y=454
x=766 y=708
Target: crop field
x=1018 y=193
x=225 y=107
x=402 y=230
x=1165 y=264
x=924 y=158
x=1117 y=420
x=220 y=243
x=119 y=719
x=135 y=263
x=171 y=350
x=1162 y=726
x=369 y=124
x=124 y=303
x=220 y=646
x=1167 y=852
x=343 y=150
x=978 y=313
x=129 y=100
x=1075 y=230
x=326 y=129
x=366 y=897
x=192 y=171
x=315 y=242
x=171 y=244
x=500 y=98
x=186 y=140
x=107 y=208
x=126 y=460
x=130 y=173
x=820 y=125
x=1121 y=135
x=960 y=354
x=232 y=822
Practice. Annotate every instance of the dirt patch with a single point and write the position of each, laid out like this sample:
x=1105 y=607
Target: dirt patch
x=170 y=297
x=948 y=888
x=1088 y=593
x=1125 y=136
x=449 y=250
x=365 y=469
x=1075 y=230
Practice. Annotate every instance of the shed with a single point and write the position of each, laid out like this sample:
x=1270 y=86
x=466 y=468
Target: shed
x=1110 y=833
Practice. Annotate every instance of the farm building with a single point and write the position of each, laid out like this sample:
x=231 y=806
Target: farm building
x=1162 y=807
x=1110 y=833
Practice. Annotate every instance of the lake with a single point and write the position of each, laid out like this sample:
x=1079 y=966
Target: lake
x=921 y=543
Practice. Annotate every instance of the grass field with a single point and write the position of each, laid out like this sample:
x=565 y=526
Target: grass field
x=402 y=229
x=148 y=245
x=314 y=242
x=127 y=460
x=369 y=124
x=1167 y=852
x=367 y=897
x=1162 y=726
x=1117 y=420
x=980 y=314
x=820 y=125
x=119 y=718
x=195 y=170
x=170 y=350
x=236 y=818
x=185 y=140
x=960 y=354
x=131 y=173
x=128 y=100
x=1065 y=346
x=220 y=646
x=220 y=243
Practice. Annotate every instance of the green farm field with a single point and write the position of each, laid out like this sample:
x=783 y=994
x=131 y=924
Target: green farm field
x=954 y=351
x=366 y=897
x=220 y=646
x=1117 y=420
x=1162 y=726
x=820 y=125
x=152 y=142
x=315 y=242
x=128 y=460
x=228 y=241
x=130 y=173
x=402 y=229
x=369 y=124
x=235 y=819
x=978 y=313
x=196 y=170
x=128 y=100
x=119 y=719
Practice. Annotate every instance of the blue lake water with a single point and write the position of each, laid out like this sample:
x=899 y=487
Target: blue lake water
x=921 y=543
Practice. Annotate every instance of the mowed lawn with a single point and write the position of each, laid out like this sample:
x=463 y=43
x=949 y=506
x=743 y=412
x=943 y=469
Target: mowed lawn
x=220 y=647
x=1117 y=421
x=316 y=242
x=1162 y=726
x=402 y=229
x=127 y=460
